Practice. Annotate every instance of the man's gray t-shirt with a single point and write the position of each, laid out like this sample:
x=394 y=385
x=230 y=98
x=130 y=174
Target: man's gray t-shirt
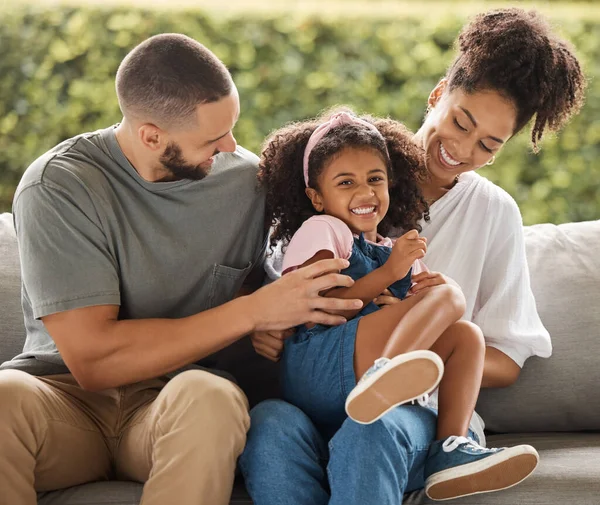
x=91 y=231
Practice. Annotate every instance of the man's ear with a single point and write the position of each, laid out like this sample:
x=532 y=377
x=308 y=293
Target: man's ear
x=436 y=94
x=152 y=137
x=315 y=199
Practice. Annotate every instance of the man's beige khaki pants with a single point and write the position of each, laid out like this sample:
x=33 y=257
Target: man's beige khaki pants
x=181 y=437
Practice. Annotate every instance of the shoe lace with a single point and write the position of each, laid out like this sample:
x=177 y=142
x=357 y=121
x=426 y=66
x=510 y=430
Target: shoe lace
x=423 y=401
x=453 y=442
x=379 y=363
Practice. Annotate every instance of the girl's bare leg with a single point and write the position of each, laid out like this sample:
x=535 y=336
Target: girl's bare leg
x=462 y=349
x=415 y=323
x=412 y=325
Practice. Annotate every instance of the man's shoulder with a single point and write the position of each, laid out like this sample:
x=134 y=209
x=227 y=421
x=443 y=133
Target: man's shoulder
x=66 y=163
x=236 y=174
x=246 y=156
x=239 y=160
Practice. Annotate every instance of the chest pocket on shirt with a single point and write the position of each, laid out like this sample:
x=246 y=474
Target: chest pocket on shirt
x=225 y=283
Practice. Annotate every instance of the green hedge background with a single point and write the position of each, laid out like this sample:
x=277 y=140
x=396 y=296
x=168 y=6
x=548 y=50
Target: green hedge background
x=57 y=67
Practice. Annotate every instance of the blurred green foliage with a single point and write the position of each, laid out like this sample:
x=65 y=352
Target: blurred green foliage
x=57 y=68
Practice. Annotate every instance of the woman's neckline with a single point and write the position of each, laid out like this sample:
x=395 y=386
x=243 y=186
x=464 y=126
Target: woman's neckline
x=460 y=181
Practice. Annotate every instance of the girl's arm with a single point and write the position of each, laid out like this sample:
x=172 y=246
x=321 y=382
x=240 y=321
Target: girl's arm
x=365 y=288
x=407 y=249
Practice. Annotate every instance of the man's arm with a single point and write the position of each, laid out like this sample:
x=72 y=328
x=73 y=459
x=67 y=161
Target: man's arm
x=103 y=352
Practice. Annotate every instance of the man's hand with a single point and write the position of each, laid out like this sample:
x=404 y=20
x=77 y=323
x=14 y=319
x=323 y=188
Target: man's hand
x=406 y=250
x=426 y=280
x=269 y=344
x=294 y=299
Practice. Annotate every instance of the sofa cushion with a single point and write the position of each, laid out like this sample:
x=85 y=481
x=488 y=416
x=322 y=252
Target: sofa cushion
x=12 y=328
x=558 y=393
x=95 y=493
x=116 y=493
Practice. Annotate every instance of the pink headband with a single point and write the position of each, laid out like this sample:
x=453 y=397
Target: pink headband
x=336 y=120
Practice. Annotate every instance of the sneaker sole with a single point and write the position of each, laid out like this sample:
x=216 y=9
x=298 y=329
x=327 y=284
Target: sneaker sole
x=484 y=476
x=408 y=377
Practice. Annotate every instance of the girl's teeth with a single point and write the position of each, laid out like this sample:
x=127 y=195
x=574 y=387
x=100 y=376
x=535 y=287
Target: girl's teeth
x=363 y=210
x=446 y=157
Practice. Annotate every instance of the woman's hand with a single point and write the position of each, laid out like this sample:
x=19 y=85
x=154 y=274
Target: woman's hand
x=426 y=280
x=269 y=344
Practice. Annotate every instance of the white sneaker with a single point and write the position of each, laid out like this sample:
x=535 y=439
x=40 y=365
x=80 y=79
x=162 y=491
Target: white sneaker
x=392 y=382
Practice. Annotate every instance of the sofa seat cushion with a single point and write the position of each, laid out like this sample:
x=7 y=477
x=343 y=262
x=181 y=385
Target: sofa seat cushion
x=95 y=493
x=116 y=493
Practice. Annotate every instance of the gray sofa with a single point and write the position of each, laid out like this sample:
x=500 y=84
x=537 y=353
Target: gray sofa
x=554 y=406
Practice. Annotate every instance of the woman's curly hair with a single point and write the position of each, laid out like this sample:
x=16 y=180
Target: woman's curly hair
x=281 y=171
x=515 y=52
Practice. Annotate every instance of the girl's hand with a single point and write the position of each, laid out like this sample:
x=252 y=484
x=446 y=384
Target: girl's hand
x=386 y=298
x=407 y=249
x=426 y=280
x=269 y=344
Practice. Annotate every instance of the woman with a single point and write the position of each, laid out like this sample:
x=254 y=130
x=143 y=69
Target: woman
x=510 y=70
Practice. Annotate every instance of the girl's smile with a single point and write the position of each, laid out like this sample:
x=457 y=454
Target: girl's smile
x=354 y=188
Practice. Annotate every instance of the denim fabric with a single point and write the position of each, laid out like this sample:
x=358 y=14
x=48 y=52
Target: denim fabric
x=288 y=461
x=366 y=257
x=317 y=372
x=465 y=453
x=318 y=362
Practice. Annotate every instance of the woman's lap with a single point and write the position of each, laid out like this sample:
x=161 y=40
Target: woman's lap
x=283 y=440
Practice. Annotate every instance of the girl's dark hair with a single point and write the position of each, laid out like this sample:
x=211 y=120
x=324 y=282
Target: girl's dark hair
x=515 y=52
x=281 y=171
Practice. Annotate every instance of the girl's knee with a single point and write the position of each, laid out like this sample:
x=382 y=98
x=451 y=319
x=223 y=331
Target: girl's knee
x=469 y=334
x=450 y=297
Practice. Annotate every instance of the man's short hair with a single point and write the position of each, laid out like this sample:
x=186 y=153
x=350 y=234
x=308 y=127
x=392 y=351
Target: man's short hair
x=164 y=79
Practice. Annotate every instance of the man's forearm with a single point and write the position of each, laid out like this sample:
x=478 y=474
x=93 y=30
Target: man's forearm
x=102 y=351
x=126 y=351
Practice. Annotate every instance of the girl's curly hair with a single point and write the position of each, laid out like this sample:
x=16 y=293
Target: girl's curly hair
x=281 y=171
x=516 y=53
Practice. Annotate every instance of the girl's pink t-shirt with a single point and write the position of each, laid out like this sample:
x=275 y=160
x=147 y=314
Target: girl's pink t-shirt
x=327 y=233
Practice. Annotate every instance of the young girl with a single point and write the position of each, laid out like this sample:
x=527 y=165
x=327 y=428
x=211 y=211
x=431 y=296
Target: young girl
x=328 y=194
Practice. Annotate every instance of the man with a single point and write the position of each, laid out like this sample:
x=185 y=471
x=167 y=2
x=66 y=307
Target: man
x=133 y=242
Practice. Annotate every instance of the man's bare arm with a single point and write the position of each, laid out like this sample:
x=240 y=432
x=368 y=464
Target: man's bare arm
x=102 y=351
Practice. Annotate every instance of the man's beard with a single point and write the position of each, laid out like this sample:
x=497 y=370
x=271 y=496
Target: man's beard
x=174 y=162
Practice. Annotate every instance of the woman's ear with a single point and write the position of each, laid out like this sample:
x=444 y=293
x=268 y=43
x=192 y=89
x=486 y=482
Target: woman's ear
x=315 y=199
x=437 y=93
